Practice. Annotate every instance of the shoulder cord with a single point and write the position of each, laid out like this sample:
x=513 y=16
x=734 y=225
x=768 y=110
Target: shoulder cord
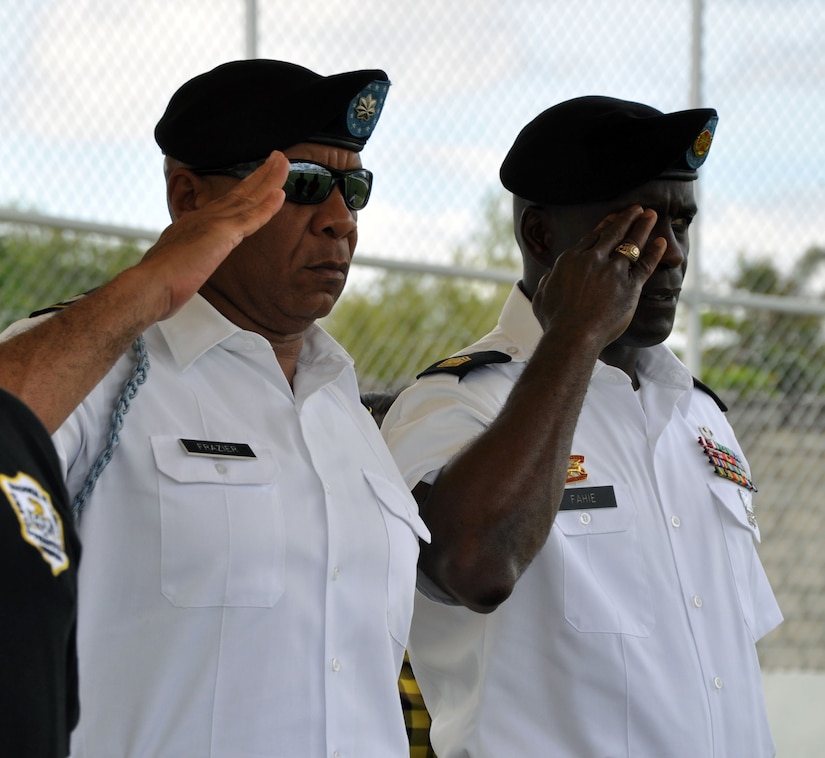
x=127 y=394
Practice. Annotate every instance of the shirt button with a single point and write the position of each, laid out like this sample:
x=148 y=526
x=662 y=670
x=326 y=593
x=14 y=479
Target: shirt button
x=220 y=468
x=335 y=573
x=336 y=754
x=697 y=601
x=336 y=664
x=512 y=350
x=585 y=518
x=676 y=521
x=717 y=682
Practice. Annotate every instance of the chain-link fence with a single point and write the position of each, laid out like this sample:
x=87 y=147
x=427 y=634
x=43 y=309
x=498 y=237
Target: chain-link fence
x=82 y=83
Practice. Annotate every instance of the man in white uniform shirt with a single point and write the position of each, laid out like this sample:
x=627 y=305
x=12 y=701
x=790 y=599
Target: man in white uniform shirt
x=592 y=588
x=52 y=366
x=250 y=548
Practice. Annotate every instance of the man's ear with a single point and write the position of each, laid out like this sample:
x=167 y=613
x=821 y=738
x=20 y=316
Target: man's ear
x=537 y=234
x=185 y=192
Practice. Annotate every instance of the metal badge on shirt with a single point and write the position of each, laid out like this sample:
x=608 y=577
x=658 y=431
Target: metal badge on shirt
x=214 y=449
x=578 y=498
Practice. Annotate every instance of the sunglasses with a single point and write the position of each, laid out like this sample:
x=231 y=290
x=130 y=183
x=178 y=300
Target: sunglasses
x=309 y=183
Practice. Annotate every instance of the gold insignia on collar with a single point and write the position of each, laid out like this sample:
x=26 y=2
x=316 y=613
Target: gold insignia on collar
x=575 y=469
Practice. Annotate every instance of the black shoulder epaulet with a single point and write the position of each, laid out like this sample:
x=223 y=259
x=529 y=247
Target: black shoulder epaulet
x=61 y=305
x=461 y=365
x=708 y=391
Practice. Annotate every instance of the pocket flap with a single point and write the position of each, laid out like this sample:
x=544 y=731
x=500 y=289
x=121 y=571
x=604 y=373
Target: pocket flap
x=400 y=504
x=173 y=461
x=598 y=520
x=737 y=501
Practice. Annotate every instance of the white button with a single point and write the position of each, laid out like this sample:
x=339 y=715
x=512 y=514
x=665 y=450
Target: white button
x=335 y=573
x=336 y=664
x=676 y=521
x=717 y=682
x=220 y=468
x=512 y=349
x=697 y=601
x=585 y=518
x=336 y=754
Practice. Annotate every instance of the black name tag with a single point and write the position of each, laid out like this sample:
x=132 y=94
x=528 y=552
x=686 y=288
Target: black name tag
x=585 y=498
x=212 y=449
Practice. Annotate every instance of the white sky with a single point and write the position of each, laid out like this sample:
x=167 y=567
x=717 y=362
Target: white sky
x=82 y=83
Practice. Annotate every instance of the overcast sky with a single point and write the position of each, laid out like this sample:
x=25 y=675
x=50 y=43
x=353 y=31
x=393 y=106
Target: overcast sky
x=82 y=83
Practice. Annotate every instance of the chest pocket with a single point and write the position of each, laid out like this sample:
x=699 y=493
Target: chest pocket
x=752 y=587
x=605 y=584
x=222 y=530
x=404 y=528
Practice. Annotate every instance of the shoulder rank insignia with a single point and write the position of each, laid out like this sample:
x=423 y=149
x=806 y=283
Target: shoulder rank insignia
x=724 y=461
x=461 y=365
x=575 y=469
x=708 y=391
x=40 y=523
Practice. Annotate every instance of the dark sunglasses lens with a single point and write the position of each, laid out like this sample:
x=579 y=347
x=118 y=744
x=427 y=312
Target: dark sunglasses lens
x=311 y=183
x=357 y=189
x=308 y=185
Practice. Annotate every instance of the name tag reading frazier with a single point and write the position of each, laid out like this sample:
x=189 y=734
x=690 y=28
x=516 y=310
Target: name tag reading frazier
x=584 y=498
x=212 y=449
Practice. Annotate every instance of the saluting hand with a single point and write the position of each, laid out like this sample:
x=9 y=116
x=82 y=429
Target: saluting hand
x=191 y=248
x=594 y=290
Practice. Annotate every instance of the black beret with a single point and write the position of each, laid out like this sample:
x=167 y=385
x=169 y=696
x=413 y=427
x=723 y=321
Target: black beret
x=593 y=148
x=241 y=111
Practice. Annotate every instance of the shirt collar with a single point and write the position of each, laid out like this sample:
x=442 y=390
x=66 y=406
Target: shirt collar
x=198 y=327
x=657 y=363
x=518 y=322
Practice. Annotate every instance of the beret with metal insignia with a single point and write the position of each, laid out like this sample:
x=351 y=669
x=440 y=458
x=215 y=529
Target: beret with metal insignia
x=593 y=148
x=243 y=110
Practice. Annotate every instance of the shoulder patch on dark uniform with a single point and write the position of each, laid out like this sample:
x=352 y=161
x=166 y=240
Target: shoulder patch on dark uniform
x=60 y=306
x=461 y=365
x=708 y=391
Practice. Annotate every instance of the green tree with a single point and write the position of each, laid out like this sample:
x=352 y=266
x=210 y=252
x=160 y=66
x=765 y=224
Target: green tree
x=769 y=350
x=41 y=267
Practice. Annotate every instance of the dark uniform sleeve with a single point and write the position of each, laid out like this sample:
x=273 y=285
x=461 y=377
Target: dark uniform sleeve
x=39 y=553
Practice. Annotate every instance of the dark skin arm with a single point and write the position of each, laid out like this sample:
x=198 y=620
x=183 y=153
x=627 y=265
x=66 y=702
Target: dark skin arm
x=55 y=364
x=492 y=506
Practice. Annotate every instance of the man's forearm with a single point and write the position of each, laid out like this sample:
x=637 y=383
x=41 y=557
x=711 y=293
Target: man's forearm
x=492 y=506
x=53 y=365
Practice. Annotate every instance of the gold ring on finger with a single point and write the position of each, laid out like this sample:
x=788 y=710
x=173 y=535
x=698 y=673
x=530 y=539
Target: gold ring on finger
x=629 y=249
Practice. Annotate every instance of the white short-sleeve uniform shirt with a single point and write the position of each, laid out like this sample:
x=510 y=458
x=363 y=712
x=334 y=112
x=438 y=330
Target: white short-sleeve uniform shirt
x=235 y=607
x=631 y=635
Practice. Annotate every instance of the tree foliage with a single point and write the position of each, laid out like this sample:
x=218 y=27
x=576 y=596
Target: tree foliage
x=764 y=350
x=41 y=267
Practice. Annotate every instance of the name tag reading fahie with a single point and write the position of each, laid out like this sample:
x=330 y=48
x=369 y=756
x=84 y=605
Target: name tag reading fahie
x=211 y=449
x=585 y=498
